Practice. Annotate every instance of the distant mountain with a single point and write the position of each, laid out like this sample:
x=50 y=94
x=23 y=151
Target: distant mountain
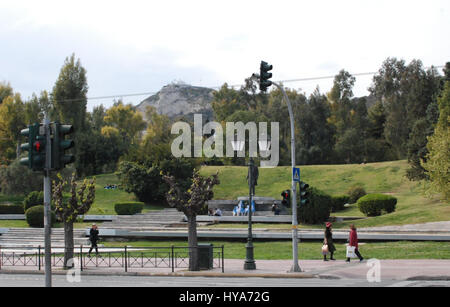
x=181 y=101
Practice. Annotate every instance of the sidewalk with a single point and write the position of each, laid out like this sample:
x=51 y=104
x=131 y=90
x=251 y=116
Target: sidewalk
x=389 y=270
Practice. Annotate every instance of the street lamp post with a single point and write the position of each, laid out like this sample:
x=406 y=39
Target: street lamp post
x=238 y=145
x=249 y=258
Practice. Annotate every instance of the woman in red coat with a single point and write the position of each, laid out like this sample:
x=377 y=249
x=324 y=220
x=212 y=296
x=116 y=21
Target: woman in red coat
x=353 y=241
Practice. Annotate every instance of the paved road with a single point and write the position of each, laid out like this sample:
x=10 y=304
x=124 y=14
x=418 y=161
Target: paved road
x=31 y=280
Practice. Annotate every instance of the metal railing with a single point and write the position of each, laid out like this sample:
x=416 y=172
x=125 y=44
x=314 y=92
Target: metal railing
x=170 y=257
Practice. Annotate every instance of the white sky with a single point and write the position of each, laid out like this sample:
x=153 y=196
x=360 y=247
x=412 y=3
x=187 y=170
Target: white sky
x=139 y=46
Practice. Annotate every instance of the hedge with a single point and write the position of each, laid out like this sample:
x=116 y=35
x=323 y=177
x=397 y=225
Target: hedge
x=338 y=202
x=11 y=209
x=318 y=210
x=35 y=216
x=128 y=208
x=35 y=198
x=355 y=193
x=375 y=204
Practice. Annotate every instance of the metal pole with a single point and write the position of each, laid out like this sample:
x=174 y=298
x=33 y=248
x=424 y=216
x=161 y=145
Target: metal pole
x=47 y=201
x=295 y=267
x=250 y=261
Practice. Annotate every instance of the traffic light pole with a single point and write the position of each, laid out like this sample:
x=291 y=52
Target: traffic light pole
x=47 y=201
x=295 y=267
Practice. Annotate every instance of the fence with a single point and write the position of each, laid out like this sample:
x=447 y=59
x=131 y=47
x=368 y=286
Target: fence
x=170 y=257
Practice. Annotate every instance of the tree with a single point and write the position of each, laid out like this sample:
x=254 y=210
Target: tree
x=79 y=203
x=437 y=163
x=191 y=202
x=12 y=121
x=5 y=91
x=69 y=100
x=314 y=132
x=406 y=92
x=126 y=120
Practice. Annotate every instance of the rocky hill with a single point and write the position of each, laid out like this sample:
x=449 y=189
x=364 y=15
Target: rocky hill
x=179 y=100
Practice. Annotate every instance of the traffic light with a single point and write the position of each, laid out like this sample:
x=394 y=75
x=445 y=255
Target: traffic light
x=286 y=194
x=60 y=145
x=264 y=75
x=304 y=194
x=35 y=147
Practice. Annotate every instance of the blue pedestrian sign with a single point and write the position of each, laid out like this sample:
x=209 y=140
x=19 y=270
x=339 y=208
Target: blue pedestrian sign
x=296 y=174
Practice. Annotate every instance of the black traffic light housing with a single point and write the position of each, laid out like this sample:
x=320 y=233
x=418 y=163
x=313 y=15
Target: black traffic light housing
x=286 y=194
x=304 y=193
x=59 y=146
x=35 y=147
x=264 y=76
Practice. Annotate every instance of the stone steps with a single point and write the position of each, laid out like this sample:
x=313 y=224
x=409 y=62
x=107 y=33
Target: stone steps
x=36 y=236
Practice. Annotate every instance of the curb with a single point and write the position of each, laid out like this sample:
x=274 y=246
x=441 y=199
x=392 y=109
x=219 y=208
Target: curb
x=175 y=274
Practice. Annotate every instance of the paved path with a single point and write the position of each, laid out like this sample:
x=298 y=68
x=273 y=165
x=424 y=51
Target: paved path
x=203 y=284
x=388 y=270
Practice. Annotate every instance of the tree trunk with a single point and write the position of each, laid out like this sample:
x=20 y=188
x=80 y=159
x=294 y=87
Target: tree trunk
x=68 y=244
x=193 y=243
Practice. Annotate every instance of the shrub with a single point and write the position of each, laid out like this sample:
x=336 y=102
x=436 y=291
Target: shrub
x=35 y=198
x=355 y=193
x=338 y=202
x=11 y=209
x=35 y=216
x=128 y=208
x=375 y=204
x=318 y=210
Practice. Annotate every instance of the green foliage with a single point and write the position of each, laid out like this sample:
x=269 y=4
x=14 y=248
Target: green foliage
x=79 y=202
x=355 y=193
x=35 y=198
x=375 y=204
x=145 y=179
x=35 y=216
x=128 y=208
x=318 y=210
x=11 y=209
x=437 y=164
x=338 y=202
x=17 y=179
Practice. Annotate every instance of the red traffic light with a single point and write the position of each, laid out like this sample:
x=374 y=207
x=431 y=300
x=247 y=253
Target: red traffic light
x=37 y=146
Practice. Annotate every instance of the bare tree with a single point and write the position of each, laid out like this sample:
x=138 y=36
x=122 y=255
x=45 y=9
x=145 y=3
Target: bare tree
x=78 y=204
x=191 y=202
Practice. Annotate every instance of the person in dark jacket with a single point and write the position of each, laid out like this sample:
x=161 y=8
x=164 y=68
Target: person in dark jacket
x=353 y=241
x=93 y=237
x=328 y=240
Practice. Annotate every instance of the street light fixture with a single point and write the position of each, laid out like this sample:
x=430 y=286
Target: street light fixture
x=238 y=145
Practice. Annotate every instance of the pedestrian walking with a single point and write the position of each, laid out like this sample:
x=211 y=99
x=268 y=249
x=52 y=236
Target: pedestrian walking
x=353 y=242
x=328 y=240
x=93 y=237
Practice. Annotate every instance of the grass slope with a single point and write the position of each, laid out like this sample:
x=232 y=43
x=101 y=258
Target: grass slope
x=382 y=177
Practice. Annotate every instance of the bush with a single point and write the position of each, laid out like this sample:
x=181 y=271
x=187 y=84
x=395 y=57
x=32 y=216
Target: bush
x=35 y=198
x=338 y=202
x=35 y=216
x=375 y=204
x=128 y=208
x=11 y=209
x=355 y=193
x=318 y=210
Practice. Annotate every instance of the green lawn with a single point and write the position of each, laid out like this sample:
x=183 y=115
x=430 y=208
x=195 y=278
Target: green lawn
x=282 y=250
x=383 y=177
x=105 y=199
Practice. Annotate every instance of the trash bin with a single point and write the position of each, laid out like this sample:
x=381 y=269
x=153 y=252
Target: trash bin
x=205 y=256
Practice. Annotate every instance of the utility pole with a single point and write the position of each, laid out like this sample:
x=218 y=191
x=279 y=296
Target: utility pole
x=47 y=201
x=264 y=83
x=295 y=267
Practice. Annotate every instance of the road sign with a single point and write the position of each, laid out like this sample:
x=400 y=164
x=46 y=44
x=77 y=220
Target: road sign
x=296 y=174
